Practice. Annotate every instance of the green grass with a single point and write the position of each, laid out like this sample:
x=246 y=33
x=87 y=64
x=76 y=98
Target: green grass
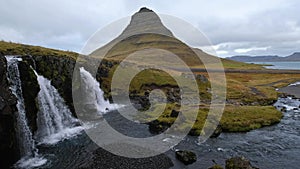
x=10 y=48
x=246 y=118
x=234 y=118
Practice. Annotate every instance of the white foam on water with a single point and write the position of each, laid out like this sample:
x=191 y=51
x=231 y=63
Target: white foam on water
x=294 y=84
x=30 y=162
x=64 y=134
x=93 y=95
x=55 y=121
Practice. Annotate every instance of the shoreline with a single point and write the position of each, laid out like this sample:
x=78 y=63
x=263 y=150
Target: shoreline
x=292 y=90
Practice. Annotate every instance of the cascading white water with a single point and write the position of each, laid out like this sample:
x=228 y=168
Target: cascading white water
x=54 y=120
x=26 y=143
x=27 y=148
x=93 y=93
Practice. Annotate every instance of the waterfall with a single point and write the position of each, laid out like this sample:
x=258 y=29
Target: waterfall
x=27 y=147
x=54 y=119
x=24 y=135
x=93 y=93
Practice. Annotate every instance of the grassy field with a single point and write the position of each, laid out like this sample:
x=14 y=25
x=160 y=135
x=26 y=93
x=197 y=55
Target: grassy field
x=250 y=95
x=234 y=118
x=10 y=48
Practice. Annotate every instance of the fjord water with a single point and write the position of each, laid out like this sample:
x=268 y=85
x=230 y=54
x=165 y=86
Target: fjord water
x=280 y=65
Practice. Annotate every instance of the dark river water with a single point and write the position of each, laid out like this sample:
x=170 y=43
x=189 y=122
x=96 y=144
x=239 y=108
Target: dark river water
x=277 y=146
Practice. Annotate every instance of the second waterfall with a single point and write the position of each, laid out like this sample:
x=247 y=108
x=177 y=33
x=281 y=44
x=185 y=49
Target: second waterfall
x=54 y=120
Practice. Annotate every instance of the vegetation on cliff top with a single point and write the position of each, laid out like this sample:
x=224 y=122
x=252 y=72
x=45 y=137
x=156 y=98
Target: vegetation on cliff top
x=10 y=48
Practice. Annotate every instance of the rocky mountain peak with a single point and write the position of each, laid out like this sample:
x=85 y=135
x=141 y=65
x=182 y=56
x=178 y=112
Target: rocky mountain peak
x=146 y=21
x=145 y=9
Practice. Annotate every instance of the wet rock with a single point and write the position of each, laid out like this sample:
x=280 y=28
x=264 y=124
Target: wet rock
x=238 y=163
x=186 y=157
x=30 y=88
x=174 y=113
x=2 y=104
x=216 y=167
x=217 y=132
x=157 y=127
x=194 y=132
x=283 y=109
x=8 y=147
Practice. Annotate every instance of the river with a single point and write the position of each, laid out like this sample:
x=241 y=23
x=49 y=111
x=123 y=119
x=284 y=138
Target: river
x=277 y=146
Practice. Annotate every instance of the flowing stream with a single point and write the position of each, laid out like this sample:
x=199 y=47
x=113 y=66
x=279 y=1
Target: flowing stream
x=275 y=146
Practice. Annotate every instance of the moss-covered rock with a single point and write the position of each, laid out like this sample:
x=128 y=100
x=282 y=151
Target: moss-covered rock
x=60 y=71
x=157 y=127
x=186 y=157
x=238 y=163
x=216 y=167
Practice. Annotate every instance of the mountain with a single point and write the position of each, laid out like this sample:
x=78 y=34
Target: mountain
x=145 y=31
x=294 y=57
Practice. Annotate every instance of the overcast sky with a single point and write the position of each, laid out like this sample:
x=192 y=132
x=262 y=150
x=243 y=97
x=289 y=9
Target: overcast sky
x=256 y=27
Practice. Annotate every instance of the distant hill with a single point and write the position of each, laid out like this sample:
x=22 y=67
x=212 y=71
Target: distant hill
x=294 y=57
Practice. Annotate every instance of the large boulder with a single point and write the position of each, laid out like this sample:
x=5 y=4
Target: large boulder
x=186 y=157
x=157 y=127
x=238 y=163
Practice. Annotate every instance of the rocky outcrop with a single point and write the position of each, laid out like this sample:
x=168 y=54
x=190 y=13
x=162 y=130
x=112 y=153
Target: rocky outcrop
x=8 y=146
x=60 y=71
x=30 y=90
x=186 y=157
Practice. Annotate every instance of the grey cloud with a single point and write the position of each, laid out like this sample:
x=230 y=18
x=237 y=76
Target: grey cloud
x=230 y=24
